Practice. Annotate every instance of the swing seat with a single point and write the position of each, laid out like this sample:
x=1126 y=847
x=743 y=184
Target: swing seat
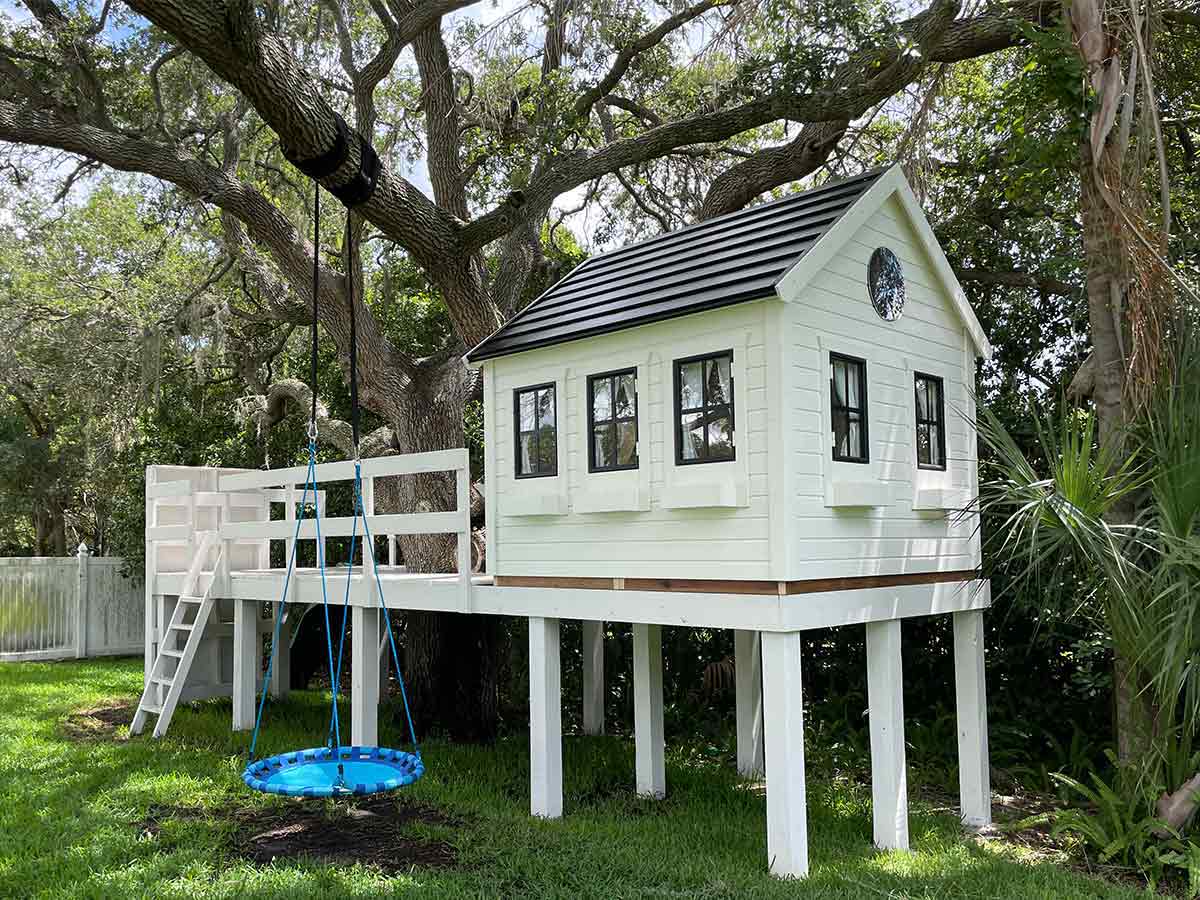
x=314 y=772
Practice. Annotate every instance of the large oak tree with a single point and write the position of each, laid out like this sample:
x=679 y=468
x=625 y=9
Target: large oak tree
x=216 y=97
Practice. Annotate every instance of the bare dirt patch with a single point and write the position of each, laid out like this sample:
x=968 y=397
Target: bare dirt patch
x=371 y=831
x=100 y=723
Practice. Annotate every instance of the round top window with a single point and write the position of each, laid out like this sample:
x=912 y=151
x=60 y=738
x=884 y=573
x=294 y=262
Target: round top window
x=885 y=281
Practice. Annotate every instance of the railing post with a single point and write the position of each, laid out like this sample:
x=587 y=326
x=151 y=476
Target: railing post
x=81 y=602
x=462 y=477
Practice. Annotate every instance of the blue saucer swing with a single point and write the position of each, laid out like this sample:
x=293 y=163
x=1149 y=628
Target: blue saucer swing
x=333 y=770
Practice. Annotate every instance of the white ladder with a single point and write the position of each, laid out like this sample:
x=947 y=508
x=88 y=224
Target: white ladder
x=173 y=662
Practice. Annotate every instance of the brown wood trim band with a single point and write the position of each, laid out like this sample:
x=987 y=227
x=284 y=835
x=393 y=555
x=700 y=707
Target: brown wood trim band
x=714 y=586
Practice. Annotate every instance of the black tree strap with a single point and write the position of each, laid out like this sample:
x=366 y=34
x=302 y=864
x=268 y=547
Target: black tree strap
x=351 y=259
x=362 y=184
x=312 y=423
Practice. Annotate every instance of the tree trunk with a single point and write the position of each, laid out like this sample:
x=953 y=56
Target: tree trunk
x=1106 y=257
x=451 y=660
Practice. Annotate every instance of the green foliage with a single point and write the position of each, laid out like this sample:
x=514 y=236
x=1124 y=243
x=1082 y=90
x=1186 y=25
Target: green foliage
x=1120 y=832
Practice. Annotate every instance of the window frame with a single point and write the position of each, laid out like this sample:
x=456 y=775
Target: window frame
x=940 y=421
x=676 y=368
x=862 y=411
x=517 y=392
x=613 y=421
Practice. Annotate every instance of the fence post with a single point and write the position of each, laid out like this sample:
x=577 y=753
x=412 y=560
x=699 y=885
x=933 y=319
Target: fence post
x=81 y=602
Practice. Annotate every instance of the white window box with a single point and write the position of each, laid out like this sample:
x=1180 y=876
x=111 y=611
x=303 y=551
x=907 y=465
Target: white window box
x=941 y=498
x=528 y=504
x=626 y=498
x=857 y=493
x=700 y=495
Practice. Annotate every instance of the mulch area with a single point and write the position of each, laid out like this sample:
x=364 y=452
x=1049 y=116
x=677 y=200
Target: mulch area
x=370 y=831
x=100 y=723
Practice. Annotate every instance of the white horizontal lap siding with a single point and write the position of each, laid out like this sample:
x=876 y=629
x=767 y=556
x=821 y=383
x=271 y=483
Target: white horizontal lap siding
x=834 y=313
x=654 y=542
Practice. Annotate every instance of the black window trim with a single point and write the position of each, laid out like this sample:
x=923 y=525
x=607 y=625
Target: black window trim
x=862 y=411
x=517 y=392
x=676 y=366
x=940 y=421
x=591 y=412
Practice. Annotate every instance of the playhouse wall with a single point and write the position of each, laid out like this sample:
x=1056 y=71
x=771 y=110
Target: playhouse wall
x=909 y=532
x=658 y=524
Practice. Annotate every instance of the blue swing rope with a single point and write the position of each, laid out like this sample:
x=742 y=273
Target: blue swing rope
x=334 y=742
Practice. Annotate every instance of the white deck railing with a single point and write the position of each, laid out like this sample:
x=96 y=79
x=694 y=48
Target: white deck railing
x=456 y=522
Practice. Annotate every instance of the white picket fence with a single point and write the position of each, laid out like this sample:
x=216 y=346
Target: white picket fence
x=68 y=607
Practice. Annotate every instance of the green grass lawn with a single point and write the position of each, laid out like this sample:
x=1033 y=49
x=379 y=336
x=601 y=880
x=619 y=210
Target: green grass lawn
x=73 y=813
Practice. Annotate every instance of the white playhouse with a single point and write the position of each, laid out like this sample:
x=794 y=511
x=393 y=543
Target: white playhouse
x=762 y=422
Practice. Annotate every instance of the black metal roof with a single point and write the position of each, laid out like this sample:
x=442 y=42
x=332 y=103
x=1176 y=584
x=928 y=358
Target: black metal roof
x=718 y=262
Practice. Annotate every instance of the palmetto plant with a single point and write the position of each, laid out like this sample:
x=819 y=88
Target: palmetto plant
x=1051 y=525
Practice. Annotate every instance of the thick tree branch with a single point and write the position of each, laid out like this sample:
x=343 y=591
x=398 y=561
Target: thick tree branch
x=772 y=167
x=1045 y=286
x=629 y=52
x=943 y=40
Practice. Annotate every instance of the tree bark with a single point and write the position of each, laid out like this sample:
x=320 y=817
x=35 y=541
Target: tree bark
x=1105 y=256
x=451 y=660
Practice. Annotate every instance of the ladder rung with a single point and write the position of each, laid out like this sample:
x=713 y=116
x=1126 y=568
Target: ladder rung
x=184 y=626
x=187 y=598
x=178 y=654
x=151 y=708
x=165 y=682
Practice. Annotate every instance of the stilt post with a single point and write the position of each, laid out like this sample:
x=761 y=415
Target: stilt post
x=783 y=715
x=747 y=662
x=545 y=719
x=364 y=676
x=649 y=743
x=885 y=698
x=247 y=650
x=593 y=677
x=974 y=782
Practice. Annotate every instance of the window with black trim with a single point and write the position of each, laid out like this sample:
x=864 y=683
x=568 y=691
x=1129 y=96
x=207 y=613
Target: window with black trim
x=931 y=422
x=534 y=419
x=612 y=421
x=704 y=408
x=848 y=407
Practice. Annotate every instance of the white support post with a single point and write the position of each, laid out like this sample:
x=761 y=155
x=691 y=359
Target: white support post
x=885 y=698
x=787 y=816
x=974 y=782
x=366 y=554
x=747 y=666
x=364 y=676
x=648 y=710
x=391 y=550
x=151 y=606
x=81 y=603
x=281 y=669
x=462 y=488
x=545 y=720
x=246 y=662
x=593 y=677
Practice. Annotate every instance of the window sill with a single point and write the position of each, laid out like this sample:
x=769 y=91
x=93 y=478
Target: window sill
x=858 y=493
x=727 y=494
x=529 y=504
x=614 y=499
x=941 y=498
